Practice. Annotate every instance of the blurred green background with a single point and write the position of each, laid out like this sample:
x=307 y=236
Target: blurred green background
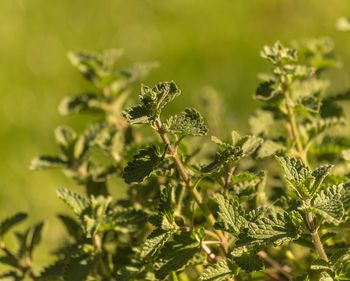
x=198 y=43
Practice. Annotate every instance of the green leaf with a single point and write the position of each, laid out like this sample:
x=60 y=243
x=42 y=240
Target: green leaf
x=325 y=276
x=246 y=184
x=47 y=162
x=34 y=237
x=88 y=139
x=261 y=122
x=276 y=229
x=53 y=272
x=269 y=148
x=75 y=201
x=320 y=174
x=343 y=272
x=221 y=271
x=249 y=262
x=300 y=178
x=124 y=220
x=187 y=123
x=65 y=137
x=29 y=240
x=88 y=102
x=98 y=68
x=72 y=226
x=155 y=241
x=267 y=91
x=177 y=253
x=10 y=222
x=328 y=204
x=152 y=101
x=138 y=115
x=297 y=175
x=142 y=165
x=78 y=268
x=228 y=154
x=230 y=215
x=320 y=265
x=319 y=126
x=278 y=54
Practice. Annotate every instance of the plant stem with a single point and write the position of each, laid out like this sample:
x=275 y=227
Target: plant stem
x=284 y=270
x=185 y=177
x=299 y=147
x=22 y=265
x=315 y=237
x=229 y=177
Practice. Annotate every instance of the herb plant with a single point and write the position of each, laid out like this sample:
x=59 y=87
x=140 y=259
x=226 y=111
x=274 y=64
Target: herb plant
x=273 y=204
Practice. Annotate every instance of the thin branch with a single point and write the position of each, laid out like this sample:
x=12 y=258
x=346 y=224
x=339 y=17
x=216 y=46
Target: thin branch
x=22 y=265
x=185 y=177
x=283 y=269
x=299 y=147
x=229 y=177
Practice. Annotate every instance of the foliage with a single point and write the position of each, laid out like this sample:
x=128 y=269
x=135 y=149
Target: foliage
x=264 y=205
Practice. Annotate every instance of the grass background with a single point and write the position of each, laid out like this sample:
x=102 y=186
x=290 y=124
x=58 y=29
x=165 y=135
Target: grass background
x=198 y=43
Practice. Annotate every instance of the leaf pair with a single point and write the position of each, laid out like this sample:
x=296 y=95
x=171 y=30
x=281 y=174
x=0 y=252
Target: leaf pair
x=230 y=153
x=304 y=182
x=152 y=101
x=97 y=215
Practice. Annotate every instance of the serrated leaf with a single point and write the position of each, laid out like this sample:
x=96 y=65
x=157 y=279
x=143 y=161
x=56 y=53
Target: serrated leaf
x=321 y=125
x=320 y=265
x=88 y=102
x=187 y=123
x=297 y=175
x=340 y=256
x=34 y=237
x=230 y=215
x=261 y=122
x=65 y=137
x=300 y=178
x=325 y=276
x=77 y=268
x=155 y=241
x=53 y=272
x=269 y=148
x=249 y=262
x=138 y=115
x=88 y=139
x=152 y=101
x=245 y=184
x=267 y=91
x=320 y=174
x=276 y=229
x=10 y=222
x=124 y=220
x=47 y=162
x=228 y=154
x=29 y=240
x=142 y=165
x=177 y=253
x=328 y=204
x=278 y=54
x=221 y=271
x=100 y=68
x=72 y=226
x=76 y=202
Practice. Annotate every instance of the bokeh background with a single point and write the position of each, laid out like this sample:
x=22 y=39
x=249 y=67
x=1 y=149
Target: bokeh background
x=197 y=42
